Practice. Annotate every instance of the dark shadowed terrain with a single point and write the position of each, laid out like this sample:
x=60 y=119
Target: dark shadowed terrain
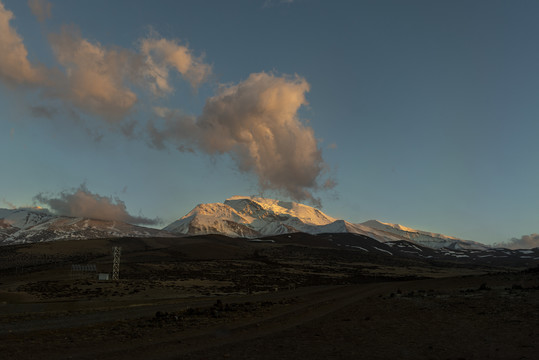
x=289 y=297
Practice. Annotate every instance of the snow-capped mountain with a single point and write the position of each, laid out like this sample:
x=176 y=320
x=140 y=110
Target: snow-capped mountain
x=250 y=217
x=246 y=216
x=428 y=239
x=20 y=226
x=238 y=216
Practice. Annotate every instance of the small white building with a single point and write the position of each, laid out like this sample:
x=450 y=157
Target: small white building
x=103 y=276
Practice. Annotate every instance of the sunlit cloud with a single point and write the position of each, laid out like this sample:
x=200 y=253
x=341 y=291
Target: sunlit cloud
x=41 y=9
x=12 y=206
x=161 y=55
x=525 y=242
x=93 y=78
x=96 y=76
x=97 y=79
x=81 y=202
x=15 y=68
x=256 y=123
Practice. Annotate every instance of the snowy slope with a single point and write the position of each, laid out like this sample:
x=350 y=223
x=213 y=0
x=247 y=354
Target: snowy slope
x=255 y=216
x=238 y=216
x=251 y=217
x=24 y=218
x=21 y=226
x=268 y=209
x=213 y=218
x=431 y=240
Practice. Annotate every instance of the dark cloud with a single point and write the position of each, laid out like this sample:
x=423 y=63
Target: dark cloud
x=43 y=112
x=58 y=115
x=128 y=128
x=525 y=242
x=83 y=203
x=41 y=9
x=9 y=204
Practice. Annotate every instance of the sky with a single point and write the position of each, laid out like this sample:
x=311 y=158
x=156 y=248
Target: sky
x=422 y=113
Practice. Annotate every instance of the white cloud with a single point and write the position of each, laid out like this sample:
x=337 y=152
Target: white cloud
x=525 y=242
x=83 y=203
x=162 y=54
x=96 y=77
x=256 y=123
x=15 y=68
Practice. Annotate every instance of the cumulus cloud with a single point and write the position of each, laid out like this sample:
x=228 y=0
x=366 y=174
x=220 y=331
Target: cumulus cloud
x=40 y=8
x=162 y=54
x=99 y=79
x=83 y=203
x=525 y=242
x=15 y=68
x=96 y=79
x=256 y=122
x=96 y=76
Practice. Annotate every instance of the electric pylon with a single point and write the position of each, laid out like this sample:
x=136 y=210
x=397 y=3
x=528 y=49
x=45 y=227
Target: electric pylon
x=116 y=252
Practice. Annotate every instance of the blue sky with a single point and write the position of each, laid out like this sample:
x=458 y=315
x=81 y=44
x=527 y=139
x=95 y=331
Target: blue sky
x=423 y=113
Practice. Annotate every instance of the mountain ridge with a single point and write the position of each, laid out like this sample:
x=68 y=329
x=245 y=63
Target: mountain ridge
x=19 y=226
x=237 y=216
x=251 y=216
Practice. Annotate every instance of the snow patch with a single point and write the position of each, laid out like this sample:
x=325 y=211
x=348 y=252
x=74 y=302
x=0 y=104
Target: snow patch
x=360 y=248
x=377 y=248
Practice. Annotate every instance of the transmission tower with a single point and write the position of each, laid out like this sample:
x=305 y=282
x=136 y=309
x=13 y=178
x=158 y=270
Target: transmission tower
x=116 y=253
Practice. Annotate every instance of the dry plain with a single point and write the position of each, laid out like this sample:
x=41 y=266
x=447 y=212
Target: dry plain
x=213 y=297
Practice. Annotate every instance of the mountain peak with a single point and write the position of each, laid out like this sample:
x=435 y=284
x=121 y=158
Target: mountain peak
x=250 y=216
x=254 y=216
x=253 y=205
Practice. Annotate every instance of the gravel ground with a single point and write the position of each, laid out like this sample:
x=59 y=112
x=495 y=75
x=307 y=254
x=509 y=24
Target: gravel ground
x=456 y=318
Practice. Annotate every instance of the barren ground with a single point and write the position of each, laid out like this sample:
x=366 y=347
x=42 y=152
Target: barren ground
x=219 y=298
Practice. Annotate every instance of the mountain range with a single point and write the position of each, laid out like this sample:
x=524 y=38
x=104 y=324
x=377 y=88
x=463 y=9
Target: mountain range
x=19 y=226
x=238 y=216
x=245 y=216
